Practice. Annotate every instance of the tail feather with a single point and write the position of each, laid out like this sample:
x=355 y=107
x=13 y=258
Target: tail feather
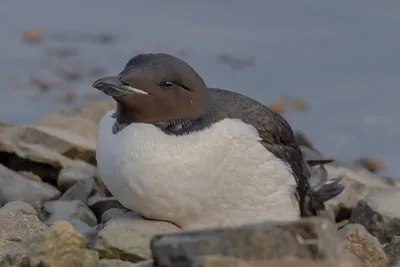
x=322 y=189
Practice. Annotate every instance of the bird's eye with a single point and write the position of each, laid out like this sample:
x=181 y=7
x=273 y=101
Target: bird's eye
x=168 y=84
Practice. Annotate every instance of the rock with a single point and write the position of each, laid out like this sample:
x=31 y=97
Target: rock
x=64 y=142
x=44 y=162
x=69 y=175
x=309 y=239
x=19 y=207
x=59 y=246
x=14 y=186
x=364 y=245
x=70 y=210
x=128 y=239
x=392 y=251
x=221 y=261
x=379 y=213
x=14 y=227
x=81 y=190
x=82 y=121
x=358 y=183
x=99 y=205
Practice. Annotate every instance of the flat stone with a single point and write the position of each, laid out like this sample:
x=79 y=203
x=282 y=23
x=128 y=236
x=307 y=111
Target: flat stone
x=379 y=213
x=129 y=239
x=16 y=226
x=69 y=175
x=14 y=186
x=364 y=245
x=58 y=246
x=64 y=142
x=309 y=239
x=392 y=250
x=358 y=183
x=19 y=207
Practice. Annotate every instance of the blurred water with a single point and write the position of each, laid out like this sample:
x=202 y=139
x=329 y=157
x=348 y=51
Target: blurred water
x=341 y=57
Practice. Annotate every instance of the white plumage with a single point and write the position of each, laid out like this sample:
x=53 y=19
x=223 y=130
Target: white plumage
x=219 y=176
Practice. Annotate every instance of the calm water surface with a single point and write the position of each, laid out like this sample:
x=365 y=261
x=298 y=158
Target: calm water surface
x=341 y=57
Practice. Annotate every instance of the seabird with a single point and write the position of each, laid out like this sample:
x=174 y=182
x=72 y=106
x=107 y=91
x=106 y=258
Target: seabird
x=175 y=150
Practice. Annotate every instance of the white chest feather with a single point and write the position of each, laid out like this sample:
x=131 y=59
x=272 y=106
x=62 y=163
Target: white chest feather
x=219 y=176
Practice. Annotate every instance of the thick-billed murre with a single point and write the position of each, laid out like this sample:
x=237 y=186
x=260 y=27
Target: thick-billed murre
x=177 y=151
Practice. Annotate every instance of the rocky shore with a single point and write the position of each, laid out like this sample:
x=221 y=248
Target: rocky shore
x=55 y=211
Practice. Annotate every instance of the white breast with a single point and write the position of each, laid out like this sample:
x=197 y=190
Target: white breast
x=218 y=176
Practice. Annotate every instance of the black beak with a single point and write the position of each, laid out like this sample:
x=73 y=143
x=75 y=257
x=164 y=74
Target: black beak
x=112 y=86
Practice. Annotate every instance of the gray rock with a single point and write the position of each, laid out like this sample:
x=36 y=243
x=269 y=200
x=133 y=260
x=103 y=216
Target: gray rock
x=73 y=211
x=358 y=183
x=16 y=226
x=19 y=206
x=379 y=213
x=14 y=186
x=81 y=190
x=392 y=251
x=128 y=239
x=364 y=245
x=69 y=175
x=64 y=142
x=100 y=204
x=311 y=238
